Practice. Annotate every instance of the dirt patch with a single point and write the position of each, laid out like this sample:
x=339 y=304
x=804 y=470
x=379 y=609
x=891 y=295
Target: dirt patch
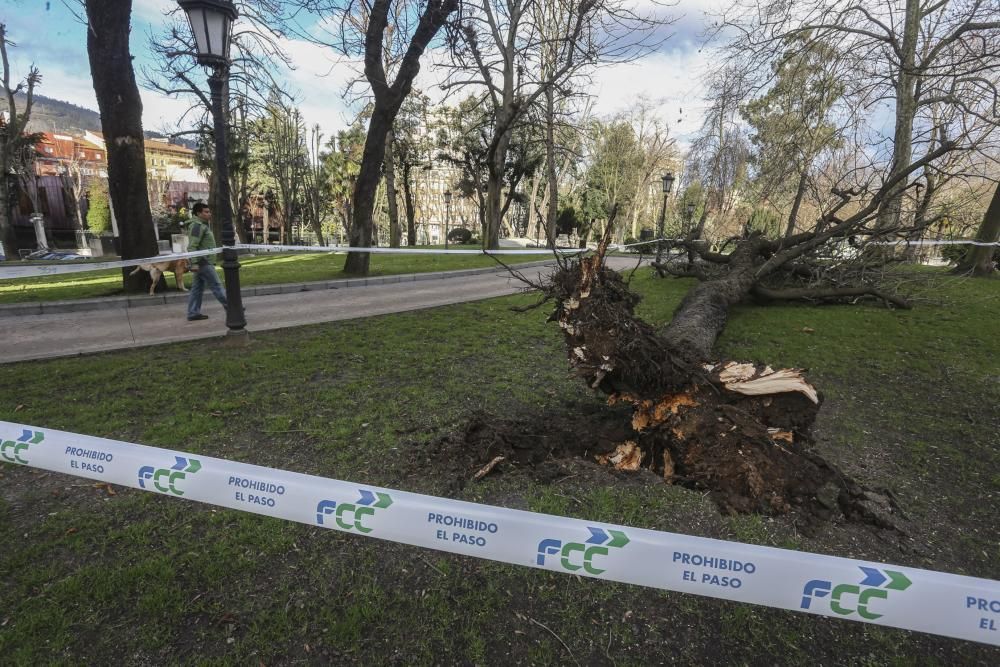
x=740 y=467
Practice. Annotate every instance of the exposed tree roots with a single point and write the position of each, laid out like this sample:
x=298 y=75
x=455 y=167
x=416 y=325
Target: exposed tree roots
x=739 y=431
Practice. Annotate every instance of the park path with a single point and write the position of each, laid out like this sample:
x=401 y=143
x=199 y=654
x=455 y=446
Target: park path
x=28 y=337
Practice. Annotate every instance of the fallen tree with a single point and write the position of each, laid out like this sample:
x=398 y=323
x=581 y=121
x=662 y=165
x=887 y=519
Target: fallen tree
x=737 y=430
x=740 y=431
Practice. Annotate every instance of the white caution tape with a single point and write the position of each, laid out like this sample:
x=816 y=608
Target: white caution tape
x=952 y=242
x=60 y=267
x=63 y=267
x=618 y=246
x=888 y=595
x=405 y=250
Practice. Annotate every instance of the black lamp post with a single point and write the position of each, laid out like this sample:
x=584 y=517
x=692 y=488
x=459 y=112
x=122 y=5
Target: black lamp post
x=212 y=25
x=668 y=184
x=447 y=216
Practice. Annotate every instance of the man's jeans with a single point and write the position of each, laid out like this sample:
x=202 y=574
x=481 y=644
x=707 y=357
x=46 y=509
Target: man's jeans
x=205 y=275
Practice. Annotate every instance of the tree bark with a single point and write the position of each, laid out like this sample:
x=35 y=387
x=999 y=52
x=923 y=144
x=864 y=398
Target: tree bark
x=978 y=260
x=362 y=224
x=395 y=233
x=793 y=216
x=532 y=211
x=411 y=214
x=388 y=99
x=906 y=109
x=14 y=127
x=7 y=236
x=121 y=121
x=550 y=164
x=494 y=192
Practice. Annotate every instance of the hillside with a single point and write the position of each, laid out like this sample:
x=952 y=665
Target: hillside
x=49 y=115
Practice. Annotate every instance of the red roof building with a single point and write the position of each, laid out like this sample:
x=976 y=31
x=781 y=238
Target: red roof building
x=56 y=152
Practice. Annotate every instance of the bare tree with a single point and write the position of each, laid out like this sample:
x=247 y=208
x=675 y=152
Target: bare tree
x=75 y=183
x=915 y=55
x=315 y=185
x=256 y=60
x=283 y=157
x=391 y=36
x=13 y=140
x=720 y=153
x=518 y=54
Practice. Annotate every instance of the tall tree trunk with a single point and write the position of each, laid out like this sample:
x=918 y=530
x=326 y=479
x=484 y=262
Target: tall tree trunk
x=697 y=233
x=121 y=121
x=906 y=109
x=532 y=211
x=550 y=163
x=794 y=215
x=7 y=236
x=411 y=213
x=390 y=192
x=481 y=205
x=14 y=128
x=388 y=99
x=915 y=252
x=494 y=192
x=365 y=189
x=979 y=259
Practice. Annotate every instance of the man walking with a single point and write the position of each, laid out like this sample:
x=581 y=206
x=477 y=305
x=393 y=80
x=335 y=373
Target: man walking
x=202 y=238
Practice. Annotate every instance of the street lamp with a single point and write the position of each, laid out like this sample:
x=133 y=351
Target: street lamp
x=447 y=216
x=212 y=25
x=668 y=184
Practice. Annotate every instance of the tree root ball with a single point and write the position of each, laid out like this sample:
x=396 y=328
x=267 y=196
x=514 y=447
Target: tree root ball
x=739 y=431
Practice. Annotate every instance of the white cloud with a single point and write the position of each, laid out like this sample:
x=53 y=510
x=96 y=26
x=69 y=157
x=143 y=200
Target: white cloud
x=152 y=10
x=673 y=79
x=318 y=83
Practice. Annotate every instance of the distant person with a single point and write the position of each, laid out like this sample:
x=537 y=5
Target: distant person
x=200 y=237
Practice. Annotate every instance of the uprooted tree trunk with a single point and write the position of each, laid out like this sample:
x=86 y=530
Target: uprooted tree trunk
x=737 y=430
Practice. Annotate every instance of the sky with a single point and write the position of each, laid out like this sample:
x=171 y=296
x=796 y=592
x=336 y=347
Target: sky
x=47 y=34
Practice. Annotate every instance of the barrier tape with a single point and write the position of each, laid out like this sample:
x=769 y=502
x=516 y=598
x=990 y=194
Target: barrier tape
x=944 y=242
x=61 y=267
x=32 y=270
x=888 y=595
x=405 y=250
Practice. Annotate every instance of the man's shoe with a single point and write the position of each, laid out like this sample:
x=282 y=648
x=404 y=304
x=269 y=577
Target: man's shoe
x=199 y=316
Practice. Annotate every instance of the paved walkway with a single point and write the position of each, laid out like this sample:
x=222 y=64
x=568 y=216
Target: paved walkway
x=60 y=334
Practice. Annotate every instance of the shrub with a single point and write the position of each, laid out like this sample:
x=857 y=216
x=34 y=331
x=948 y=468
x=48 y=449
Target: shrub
x=459 y=235
x=99 y=209
x=953 y=253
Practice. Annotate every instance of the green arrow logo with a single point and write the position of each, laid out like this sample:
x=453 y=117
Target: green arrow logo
x=39 y=436
x=899 y=582
x=193 y=466
x=619 y=539
x=383 y=500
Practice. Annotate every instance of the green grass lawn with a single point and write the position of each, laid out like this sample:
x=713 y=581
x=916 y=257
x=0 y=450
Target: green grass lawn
x=136 y=578
x=265 y=269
